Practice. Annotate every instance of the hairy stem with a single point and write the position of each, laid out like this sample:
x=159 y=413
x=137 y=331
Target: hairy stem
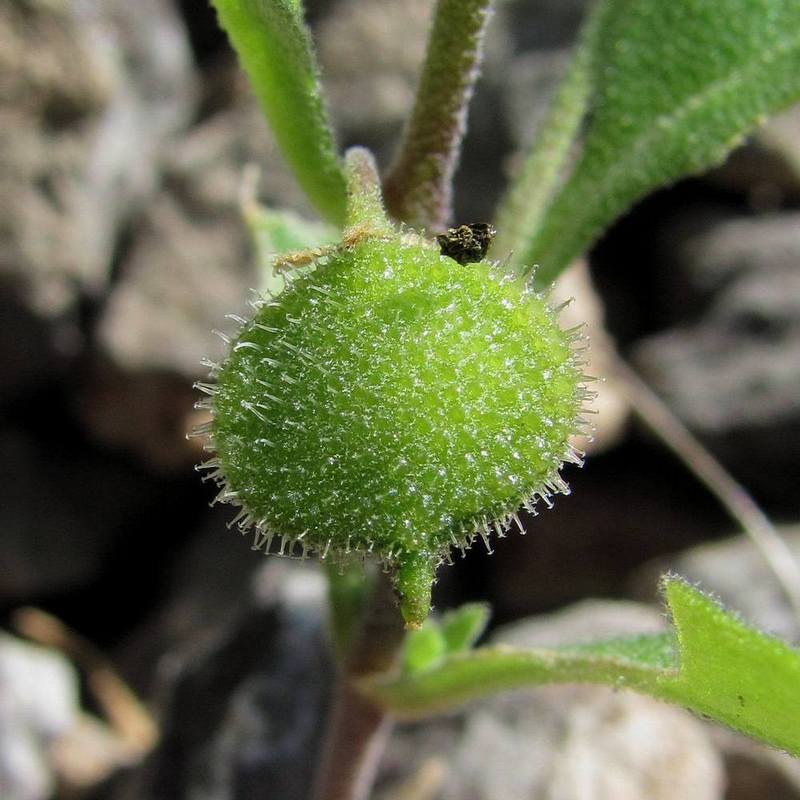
x=358 y=728
x=349 y=588
x=418 y=188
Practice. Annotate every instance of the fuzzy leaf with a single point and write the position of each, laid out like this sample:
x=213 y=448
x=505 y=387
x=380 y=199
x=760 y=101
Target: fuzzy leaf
x=463 y=626
x=521 y=212
x=733 y=673
x=425 y=647
x=456 y=632
x=275 y=50
x=275 y=232
x=713 y=664
x=677 y=84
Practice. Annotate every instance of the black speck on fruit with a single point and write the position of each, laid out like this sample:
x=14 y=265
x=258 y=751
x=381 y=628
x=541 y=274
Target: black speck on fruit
x=467 y=244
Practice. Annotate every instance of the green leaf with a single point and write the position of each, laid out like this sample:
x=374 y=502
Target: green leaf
x=712 y=663
x=456 y=632
x=424 y=647
x=525 y=204
x=463 y=626
x=676 y=85
x=732 y=673
x=275 y=50
x=276 y=232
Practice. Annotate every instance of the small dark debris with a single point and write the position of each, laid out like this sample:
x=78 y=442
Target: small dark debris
x=467 y=244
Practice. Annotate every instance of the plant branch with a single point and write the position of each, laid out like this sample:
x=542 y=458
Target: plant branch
x=358 y=728
x=731 y=495
x=349 y=587
x=418 y=188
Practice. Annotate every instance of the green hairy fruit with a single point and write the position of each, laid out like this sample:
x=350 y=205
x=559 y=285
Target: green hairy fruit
x=395 y=402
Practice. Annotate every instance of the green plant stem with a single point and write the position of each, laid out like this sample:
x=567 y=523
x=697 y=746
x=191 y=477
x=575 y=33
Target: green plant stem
x=490 y=670
x=348 y=589
x=418 y=188
x=274 y=49
x=524 y=206
x=358 y=727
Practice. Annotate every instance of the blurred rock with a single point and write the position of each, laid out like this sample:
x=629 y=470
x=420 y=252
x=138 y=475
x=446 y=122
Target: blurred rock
x=731 y=369
x=572 y=742
x=246 y=710
x=180 y=277
x=188 y=264
x=608 y=412
x=766 y=170
x=63 y=513
x=370 y=57
x=80 y=143
x=38 y=705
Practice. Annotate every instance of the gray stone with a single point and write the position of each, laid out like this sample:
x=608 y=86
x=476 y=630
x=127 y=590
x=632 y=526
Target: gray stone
x=247 y=706
x=370 y=56
x=730 y=368
x=80 y=144
x=38 y=705
x=190 y=262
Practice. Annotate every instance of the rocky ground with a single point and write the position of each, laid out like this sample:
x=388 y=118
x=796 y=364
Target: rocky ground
x=125 y=130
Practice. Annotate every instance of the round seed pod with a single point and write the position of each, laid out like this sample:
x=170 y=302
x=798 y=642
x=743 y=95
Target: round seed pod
x=395 y=402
